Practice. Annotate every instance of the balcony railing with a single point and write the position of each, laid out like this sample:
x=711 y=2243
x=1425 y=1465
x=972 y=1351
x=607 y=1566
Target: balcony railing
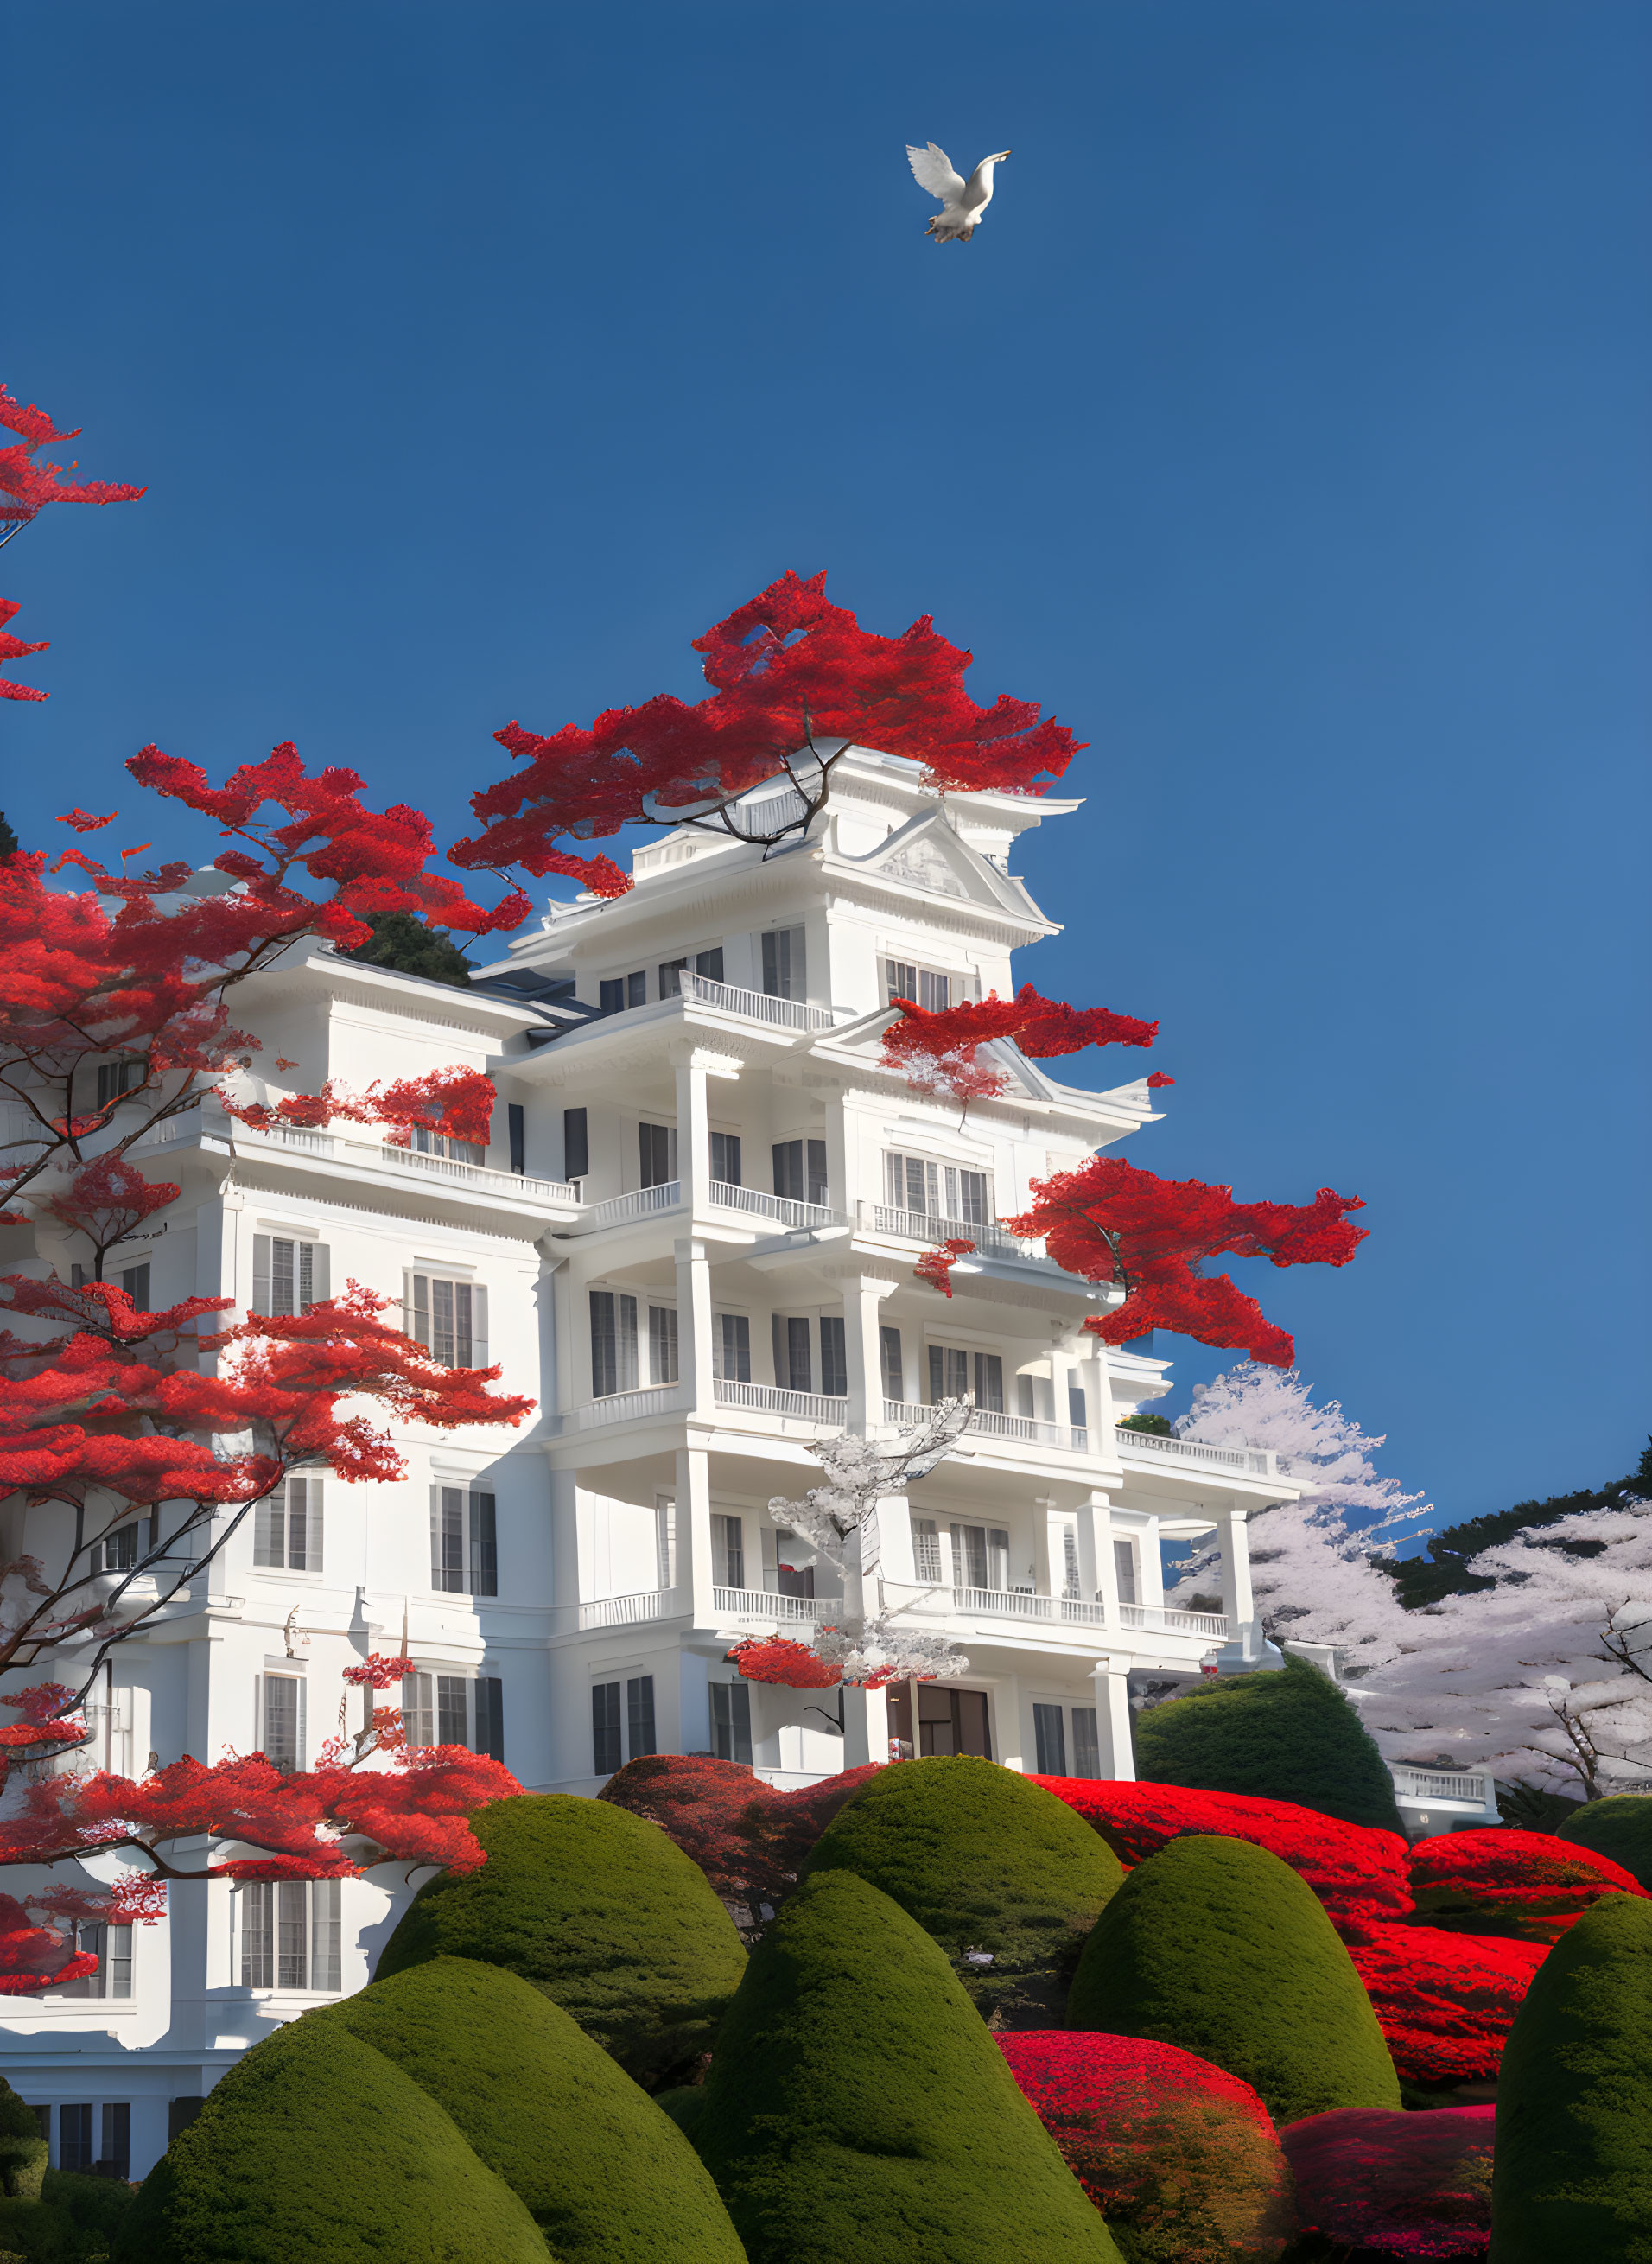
x=625 y=1407
x=1441 y=1785
x=754 y=1005
x=784 y=1208
x=632 y=1611
x=642 y=1202
x=1255 y=1461
x=768 y=1609
x=191 y=1124
x=929 y=1227
x=1052 y=1611
x=1160 y=1616
x=1066 y=1438
x=772 y=1399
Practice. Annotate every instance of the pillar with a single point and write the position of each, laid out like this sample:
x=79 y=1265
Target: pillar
x=692 y=1065
x=1110 y=1681
x=693 y=1325
x=1093 y=1518
x=1233 y=1540
x=866 y=1727
x=693 y=1701
x=863 y=1295
x=693 y=1532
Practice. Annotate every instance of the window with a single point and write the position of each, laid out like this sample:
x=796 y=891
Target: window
x=115 y=2157
x=117 y=1551
x=710 y=964
x=575 y=1144
x=657 y=1144
x=1049 y=1734
x=663 y=1344
x=613 y=1343
x=516 y=1119
x=952 y=1721
x=456 y=1709
x=956 y=1374
x=74 y=2138
x=623 y=990
x=1069 y=1563
x=1076 y=1414
x=731 y=1348
x=449 y=1318
x=800 y=1170
x=630 y=1703
x=640 y=1715
x=1124 y=1559
x=783 y=975
x=914 y=1183
x=281 y=1727
x=922 y=985
x=464 y=1542
x=637 y=989
x=728 y=1552
x=834 y=1356
x=290 y=1934
x=116 y=1077
x=725 y=1159
x=794 y=1565
x=1086 y=1743
x=426 y=1142
x=286 y=1528
x=926 y=1550
x=791 y=1370
x=288 y=1276
x=981 y=1557
x=893 y=1367
x=731 y=1721
x=672 y=974
x=112 y=1947
x=1026 y=1398
x=135 y=1281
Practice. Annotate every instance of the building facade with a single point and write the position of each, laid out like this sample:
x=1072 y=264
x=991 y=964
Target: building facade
x=691 y=1242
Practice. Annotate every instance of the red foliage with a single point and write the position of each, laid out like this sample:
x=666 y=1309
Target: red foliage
x=936 y=1265
x=1408 y=2185
x=378 y=1672
x=1447 y=2001
x=777 y=1659
x=27 y=487
x=1526 y=1884
x=36 y=1957
x=1357 y=1873
x=788 y=672
x=458 y=1102
x=937 y=1052
x=1180 y=2154
x=1109 y=1221
x=17 y=648
x=750 y=1840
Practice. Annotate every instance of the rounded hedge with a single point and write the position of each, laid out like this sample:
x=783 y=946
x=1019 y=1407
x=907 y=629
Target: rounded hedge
x=1573 y=2172
x=315 y=2145
x=1217 y=1946
x=857 y=2111
x=1395 y=2185
x=601 y=1912
x=23 y=2154
x=605 y=2176
x=1618 y=1827
x=985 y=1862
x=37 y=2231
x=1287 y=1734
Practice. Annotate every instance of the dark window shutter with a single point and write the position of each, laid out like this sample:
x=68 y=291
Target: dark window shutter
x=516 y=1117
x=575 y=1144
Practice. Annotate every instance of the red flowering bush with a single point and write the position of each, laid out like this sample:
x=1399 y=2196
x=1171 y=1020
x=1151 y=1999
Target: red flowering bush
x=794 y=1665
x=750 y=1840
x=1408 y=2185
x=1447 y=2001
x=1177 y=2155
x=1526 y=1883
x=1359 y=1873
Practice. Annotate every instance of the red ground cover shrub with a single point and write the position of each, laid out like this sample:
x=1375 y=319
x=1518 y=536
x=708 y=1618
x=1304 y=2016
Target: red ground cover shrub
x=1179 y=2157
x=1356 y=1872
x=1410 y=2185
x=1445 y=2000
x=750 y=1840
x=1525 y=1884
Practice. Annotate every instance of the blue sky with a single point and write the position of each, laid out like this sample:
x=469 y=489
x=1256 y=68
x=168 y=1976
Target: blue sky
x=1283 y=429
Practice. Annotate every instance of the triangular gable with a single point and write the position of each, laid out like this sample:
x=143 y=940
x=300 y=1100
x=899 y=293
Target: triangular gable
x=926 y=854
x=865 y=1036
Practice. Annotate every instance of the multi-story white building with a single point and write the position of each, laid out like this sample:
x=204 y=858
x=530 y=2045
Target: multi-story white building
x=693 y=1244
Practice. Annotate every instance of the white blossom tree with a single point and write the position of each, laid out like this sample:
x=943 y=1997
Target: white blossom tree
x=1311 y=1568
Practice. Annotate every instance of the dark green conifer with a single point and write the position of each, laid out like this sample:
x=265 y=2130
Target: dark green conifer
x=1290 y=1735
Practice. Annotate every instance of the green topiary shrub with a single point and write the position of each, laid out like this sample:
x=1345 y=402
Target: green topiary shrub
x=316 y=2146
x=1286 y=1736
x=37 y=2232
x=606 y=2177
x=96 y=2206
x=23 y=2154
x=1217 y=1946
x=601 y=1912
x=1618 y=1827
x=858 y=2112
x=1572 y=2175
x=985 y=1862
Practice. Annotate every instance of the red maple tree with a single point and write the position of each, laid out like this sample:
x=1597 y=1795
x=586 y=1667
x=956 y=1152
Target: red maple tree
x=750 y=1839
x=27 y=486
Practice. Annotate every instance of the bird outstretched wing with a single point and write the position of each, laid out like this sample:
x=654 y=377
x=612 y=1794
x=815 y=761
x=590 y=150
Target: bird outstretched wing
x=932 y=169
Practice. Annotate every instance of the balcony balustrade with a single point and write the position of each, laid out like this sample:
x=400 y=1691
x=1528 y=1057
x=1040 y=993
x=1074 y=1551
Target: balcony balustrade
x=785 y=1209
x=1253 y=1461
x=988 y=1422
x=1444 y=1788
x=929 y=1228
x=764 y=1608
x=754 y=1005
x=626 y=1407
x=773 y=1399
x=192 y=1124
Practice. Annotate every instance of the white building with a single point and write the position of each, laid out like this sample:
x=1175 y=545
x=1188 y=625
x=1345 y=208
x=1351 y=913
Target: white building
x=693 y=1244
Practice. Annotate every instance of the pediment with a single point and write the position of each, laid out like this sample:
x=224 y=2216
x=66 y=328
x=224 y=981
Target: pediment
x=926 y=855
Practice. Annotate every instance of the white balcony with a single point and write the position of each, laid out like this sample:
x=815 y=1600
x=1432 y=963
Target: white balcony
x=630 y=1611
x=626 y=1407
x=1450 y=1792
x=1051 y=1615
x=760 y=1607
x=191 y=1124
x=1162 y=1618
x=754 y=1005
x=641 y=1202
x=929 y=1228
x=987 y=1422
x=784 y=1209
x=1153 y=1447
x=772 y=1399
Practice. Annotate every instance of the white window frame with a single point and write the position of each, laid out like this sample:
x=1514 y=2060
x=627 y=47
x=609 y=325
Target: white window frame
x=271 y=1715
x=926 y=1186
x=466 y=1513
x=295 y=1505
x=472 y=1704
x=284 y=1922
x=934 y=989
x=290 y=1273
x=447 y=1313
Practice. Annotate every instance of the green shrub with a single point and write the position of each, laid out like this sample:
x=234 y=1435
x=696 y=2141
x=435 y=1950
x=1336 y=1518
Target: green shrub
x=1572 y=2175
x=1290 y=1735
x=23 y=2154
x=315 y=2146
x=37 y=2232
x=97 y=2205
x=1217 y=1946
x=606 y=2177
x=601 y=1912
x=1618 y=1827
x=984 y=1861
x=858 y=2112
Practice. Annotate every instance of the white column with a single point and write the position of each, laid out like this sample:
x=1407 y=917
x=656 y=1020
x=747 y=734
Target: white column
x=1093 y=1518
x=693 y=1531
x=866 y=1727
x=693 y=1065
x=1106 y=1569
x=837 y=1159
x=693 y=1323
x=1112 y=1717
x=864 y=1294
x=1233 y=1540
x=693 y=1703
x=1047 y=1555
x=1011 y=1732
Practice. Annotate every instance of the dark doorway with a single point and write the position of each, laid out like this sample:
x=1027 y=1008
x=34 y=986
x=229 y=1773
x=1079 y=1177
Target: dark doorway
x=952 y=1721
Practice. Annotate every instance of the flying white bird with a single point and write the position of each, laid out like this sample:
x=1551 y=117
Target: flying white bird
x=963 y=202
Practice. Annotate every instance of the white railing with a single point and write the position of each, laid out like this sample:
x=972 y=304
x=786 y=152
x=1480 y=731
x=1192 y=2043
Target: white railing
x=1440 y=1785
x=756 y=819
x=643 y=1203
x=631 y=1611
x=1162 y=1618
x=625 y=1407
x=191 y=1124
x=1003 y=1603
x=474 y=1175
x=784 y=1208
x=1066 y=1438
x=759 y=1604
x=929 y=1227
x=772 y=1399
x=754 y=1005
x=1255 y=1460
